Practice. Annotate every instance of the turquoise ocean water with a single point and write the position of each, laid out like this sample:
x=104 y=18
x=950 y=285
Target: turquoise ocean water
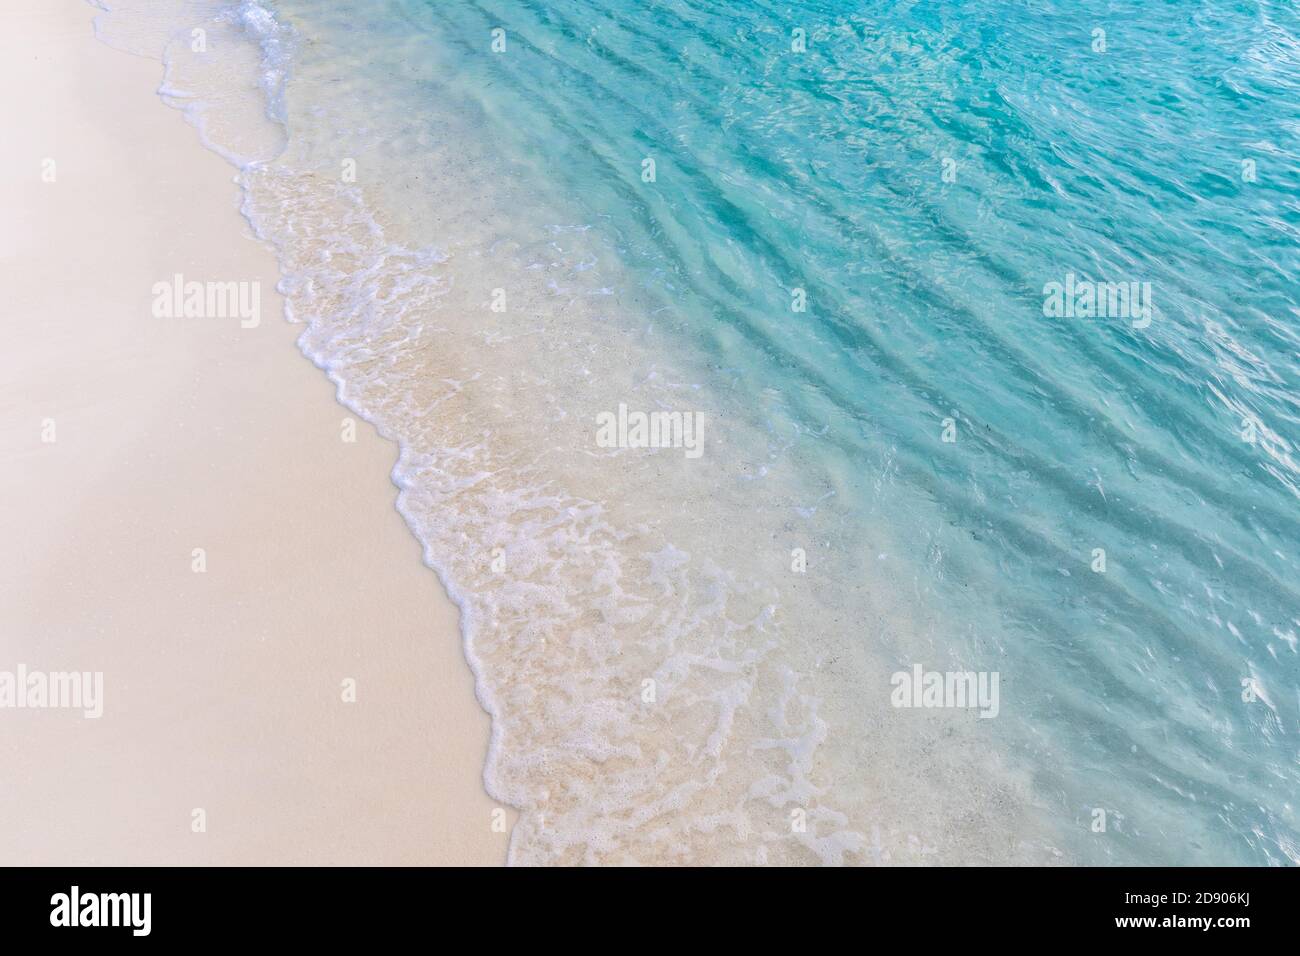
x=831 y=229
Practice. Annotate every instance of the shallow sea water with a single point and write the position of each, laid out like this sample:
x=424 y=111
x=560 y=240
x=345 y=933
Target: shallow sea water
x=483 y=265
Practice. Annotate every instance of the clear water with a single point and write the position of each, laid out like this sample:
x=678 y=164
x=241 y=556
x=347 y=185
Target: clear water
x=918 y=173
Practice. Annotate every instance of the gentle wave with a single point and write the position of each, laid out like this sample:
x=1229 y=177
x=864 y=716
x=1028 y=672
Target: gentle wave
x=585 y=572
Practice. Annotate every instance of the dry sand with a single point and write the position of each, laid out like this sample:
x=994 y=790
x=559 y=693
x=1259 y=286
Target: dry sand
x=223 y=689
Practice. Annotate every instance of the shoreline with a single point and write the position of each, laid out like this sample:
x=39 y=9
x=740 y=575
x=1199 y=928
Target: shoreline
x=688 y=654
x=190 y=469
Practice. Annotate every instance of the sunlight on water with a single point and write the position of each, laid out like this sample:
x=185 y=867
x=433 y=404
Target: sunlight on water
x=983 y=320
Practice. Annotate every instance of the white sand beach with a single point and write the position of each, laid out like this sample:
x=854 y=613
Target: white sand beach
x=128 y=441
